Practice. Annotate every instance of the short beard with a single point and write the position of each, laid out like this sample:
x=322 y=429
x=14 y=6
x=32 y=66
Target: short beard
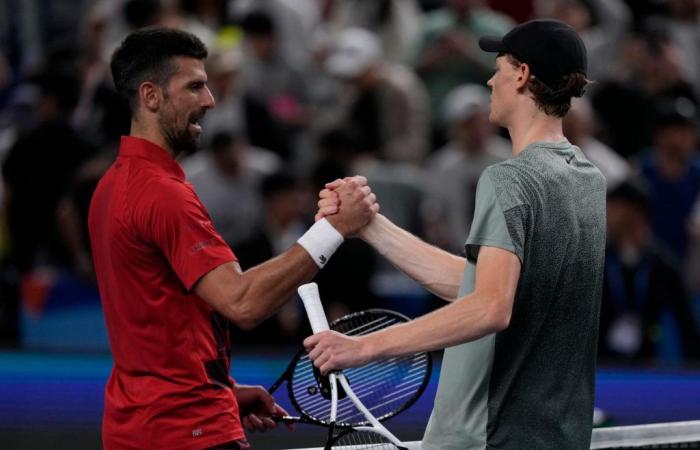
x=180 y=141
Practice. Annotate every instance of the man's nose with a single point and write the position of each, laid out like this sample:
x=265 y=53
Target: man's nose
x=209 y=101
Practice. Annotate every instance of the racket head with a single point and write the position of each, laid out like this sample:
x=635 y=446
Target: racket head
x=351 y=439
x=386 y=387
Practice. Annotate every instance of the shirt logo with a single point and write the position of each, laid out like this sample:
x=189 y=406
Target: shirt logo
x=200 y=245
x=323 y=259
x=197 y=432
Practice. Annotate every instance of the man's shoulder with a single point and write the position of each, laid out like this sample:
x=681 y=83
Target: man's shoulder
x=506 y=171
x=146 y=188
x=504 y=182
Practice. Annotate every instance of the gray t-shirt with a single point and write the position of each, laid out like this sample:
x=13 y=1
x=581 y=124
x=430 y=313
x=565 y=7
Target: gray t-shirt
x=532 y=384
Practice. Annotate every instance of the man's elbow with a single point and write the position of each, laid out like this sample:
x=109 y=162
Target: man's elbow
x=244 y=317
x=500 y=314
x=243 y=312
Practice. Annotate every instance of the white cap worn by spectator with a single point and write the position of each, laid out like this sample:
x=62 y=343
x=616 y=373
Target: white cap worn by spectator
x=354 y=51
x=463 y=102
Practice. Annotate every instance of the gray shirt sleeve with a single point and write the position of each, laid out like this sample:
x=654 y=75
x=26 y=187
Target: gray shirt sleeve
x=489 y=226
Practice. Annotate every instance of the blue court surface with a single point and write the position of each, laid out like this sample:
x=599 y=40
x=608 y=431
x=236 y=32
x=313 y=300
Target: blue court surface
x=55 y=400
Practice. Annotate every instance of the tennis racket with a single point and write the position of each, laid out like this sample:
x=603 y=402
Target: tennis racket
x=353 y=403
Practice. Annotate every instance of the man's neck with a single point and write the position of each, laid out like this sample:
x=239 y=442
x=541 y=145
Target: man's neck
x=149 y=134
x=534 y=126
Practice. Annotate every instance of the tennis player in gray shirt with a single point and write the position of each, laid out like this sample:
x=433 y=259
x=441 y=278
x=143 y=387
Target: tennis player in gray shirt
x=520 y=330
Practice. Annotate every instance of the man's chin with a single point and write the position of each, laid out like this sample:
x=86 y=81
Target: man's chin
x=494 y=120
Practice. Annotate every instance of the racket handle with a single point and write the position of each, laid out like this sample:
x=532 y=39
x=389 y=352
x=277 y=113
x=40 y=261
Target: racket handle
x=314 y=309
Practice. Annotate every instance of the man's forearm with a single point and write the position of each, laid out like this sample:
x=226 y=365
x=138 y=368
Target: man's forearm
x=270 y=285
x=464 y=320
x=249 y=298
x=437 y=270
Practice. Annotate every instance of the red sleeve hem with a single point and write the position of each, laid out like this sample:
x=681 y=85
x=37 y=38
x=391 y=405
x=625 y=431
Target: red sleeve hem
x=212 y=263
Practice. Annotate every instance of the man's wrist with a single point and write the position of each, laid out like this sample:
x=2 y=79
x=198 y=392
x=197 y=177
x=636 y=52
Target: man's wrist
x=321 y=241
x=371 y=230
x=336 y=223
x=371 y=348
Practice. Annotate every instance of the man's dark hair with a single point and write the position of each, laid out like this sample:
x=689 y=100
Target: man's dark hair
x=554 y=100
x=147 y=55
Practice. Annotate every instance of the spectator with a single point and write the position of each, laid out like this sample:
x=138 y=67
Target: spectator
x=648 y=72
x=402 y=189
x=279 y=227
x=684 y=28
x=72 y=212
x=39 y=169
x=386 y=103
x=295 y=23
x=396 y=22
x=224 y=70
x=602 y=24
x=229 y=173
x=671 y=169
x=641 y=284
x=100 y=113
x=210 y=14
x=473 y=146
x=446 y=54
x=579 y=128
x=275 y=94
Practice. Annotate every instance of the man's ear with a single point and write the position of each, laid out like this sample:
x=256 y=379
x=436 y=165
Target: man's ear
x=522 y=76
x=150 y=95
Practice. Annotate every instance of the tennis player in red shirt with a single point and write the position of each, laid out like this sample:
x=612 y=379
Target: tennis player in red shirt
x=167 y=280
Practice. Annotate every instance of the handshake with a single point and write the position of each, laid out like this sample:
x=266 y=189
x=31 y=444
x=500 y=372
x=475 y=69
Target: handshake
x=348 y=204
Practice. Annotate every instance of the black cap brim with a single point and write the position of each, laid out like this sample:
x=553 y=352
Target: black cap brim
x=492 y=44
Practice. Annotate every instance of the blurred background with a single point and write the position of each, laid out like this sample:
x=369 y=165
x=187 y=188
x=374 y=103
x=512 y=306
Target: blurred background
x=311 y=90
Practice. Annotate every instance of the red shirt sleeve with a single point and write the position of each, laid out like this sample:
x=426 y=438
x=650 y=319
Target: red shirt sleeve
x=173 y=219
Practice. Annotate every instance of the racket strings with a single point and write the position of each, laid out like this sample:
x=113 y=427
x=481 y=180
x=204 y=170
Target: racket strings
x=363 y=440
x=384 y=387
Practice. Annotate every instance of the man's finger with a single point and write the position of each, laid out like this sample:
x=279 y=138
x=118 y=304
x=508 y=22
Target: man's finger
x=326 y=368
x=359 y=179
x=269 y=423
x=327 y=193
x=247 y=425
x=315 y=353
x=281 y=412
x=267 y=400
x=322 y=359
x=328 y=202
x=255 y=422
x=311 y=341
x=335 y=184
x=328 y=210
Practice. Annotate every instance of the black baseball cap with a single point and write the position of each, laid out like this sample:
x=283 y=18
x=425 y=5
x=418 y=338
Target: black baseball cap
x=551 y=48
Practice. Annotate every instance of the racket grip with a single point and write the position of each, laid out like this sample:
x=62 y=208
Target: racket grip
x=314 y=309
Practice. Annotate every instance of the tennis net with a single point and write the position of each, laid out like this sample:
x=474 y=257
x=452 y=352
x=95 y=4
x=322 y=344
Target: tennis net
x=680 y=435
x=672 y=435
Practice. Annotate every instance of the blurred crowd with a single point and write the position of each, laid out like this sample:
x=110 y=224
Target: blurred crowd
x=311 y=90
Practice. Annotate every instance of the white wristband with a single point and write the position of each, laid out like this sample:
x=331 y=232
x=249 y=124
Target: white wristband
x=321 y=241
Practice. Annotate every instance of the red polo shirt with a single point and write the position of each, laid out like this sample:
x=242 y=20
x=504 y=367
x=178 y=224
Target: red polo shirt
x=152 y=240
